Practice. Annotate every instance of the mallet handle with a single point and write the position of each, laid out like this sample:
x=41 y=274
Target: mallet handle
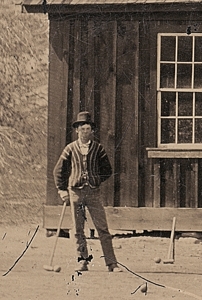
x=58 y=232
x=172 y=236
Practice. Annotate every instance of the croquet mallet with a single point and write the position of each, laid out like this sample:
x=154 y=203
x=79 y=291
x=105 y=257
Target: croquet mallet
x=50 y=266
x=171 y=255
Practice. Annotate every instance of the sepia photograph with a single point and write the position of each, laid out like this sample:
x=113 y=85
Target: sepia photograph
x=100 y=149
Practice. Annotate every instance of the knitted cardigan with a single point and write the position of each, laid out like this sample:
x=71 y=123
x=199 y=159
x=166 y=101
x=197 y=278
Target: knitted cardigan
x=69 y=168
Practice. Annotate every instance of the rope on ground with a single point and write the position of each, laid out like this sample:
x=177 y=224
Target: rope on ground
x=154 y=283
x=27 y=246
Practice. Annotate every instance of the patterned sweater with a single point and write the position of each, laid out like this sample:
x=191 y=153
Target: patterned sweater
x=69 y=168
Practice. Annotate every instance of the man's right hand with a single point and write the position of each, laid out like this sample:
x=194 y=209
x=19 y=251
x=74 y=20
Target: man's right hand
x=64 y=195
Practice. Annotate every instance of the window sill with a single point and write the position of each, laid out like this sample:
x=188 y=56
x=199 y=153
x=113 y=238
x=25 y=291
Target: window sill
x=173 y=153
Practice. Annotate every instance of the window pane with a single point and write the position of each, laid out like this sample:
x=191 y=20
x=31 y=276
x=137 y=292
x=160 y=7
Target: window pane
x=198 y=130
x=184 y=73
x=198 y=49
x=185 y=104
x=198 y=103
x=168 y=48
x=184 y=48
x=167 y=75
x=167 y=131
x=185 y=131
x=197 y=76
x=168 y=104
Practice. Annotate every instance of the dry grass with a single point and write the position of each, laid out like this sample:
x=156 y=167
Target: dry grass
x=23 y=110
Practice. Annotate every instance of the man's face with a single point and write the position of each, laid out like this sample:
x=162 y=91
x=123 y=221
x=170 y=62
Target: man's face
x=84 y=132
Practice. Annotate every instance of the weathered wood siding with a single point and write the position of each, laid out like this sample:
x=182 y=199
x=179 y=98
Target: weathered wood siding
x=107 y=64
x=94 y=67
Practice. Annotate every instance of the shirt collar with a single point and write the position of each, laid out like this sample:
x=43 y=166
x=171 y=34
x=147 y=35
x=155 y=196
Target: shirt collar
x=84 y=144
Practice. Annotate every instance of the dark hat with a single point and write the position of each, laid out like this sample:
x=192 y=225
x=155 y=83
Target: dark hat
x=83 y=117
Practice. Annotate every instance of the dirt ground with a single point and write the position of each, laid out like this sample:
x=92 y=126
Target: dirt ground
x=23 y=194
x=29 y=281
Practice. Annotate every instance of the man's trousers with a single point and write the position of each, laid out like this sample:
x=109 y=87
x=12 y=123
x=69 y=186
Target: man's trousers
x=90 y=198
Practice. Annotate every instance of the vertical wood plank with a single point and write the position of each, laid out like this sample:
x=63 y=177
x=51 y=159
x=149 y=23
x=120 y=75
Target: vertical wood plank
x=107 y=81
x=82 y=71
x=127 y=82
x=97 y=43
x=146 y=108
x=87 y=67
x=148 y=184
x=194 y=179
x=200 y=183
x=157 y=183
x=176 y=183
x=65 y=103
x=183 y=167
x=171 y=183
x=76 y=72
x=192 y=184
x=70 y=116
x=152 y=97
x=83 y=63
x=188 y=187
x=89 y=88
x=57 y=102
x=118 y=119
x=120 y=167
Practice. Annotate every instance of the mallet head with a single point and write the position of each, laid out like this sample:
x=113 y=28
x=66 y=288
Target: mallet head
x=48 y=268
x=168 y=261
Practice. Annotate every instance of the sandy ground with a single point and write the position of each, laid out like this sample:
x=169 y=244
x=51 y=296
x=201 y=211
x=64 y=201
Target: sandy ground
x=29 y=281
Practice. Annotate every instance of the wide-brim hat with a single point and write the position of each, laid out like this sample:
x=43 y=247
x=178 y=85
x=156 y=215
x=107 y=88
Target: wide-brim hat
x=83 y=117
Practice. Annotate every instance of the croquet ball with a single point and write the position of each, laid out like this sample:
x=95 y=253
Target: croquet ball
x=143 y=288
x=57 y=269
x=157 y=260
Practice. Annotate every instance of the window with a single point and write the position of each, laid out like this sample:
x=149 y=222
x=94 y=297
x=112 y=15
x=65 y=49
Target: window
x=179 y=90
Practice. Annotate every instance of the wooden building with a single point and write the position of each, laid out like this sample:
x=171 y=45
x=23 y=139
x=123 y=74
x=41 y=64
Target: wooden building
x=136 y=65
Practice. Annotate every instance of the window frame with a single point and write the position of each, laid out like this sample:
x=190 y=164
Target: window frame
x=176 y=90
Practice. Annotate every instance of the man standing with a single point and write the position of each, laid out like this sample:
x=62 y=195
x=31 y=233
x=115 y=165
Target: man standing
x=81 y=168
